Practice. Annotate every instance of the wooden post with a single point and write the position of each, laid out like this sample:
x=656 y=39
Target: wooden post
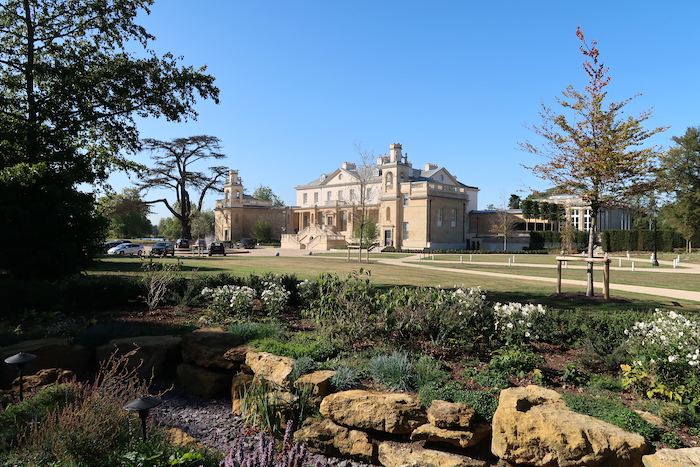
x=558 y=277
x=606 y=280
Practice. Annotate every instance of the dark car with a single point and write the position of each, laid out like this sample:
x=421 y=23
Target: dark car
x=163 y=249
x=107 y=245
x=217 y=248
x=182 y=243
x=246 y=243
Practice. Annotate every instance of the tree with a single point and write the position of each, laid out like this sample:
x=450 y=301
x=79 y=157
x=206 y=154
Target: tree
x=363 y=221
x=514 y=202
x=261 y=231
x=590 y=150
x=680 y=170
x=172 y=170
x=127 y=214
x=503 y=225
x=366 y=232
x=203 y=224
x=70 y=90
x=265 y=193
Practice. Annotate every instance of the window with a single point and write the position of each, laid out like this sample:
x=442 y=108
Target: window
x=315 y=198
x=587 y=220
x=388 y=214
x=329 y=196
x=340 y=195
x=439 y=217
x=306 y=198
x=389 y=180
x=353 y=196
x=226 y=234
x=405 y=230
x=368 y=196
x=405 y=200
x=453 y=221
x=575 y=220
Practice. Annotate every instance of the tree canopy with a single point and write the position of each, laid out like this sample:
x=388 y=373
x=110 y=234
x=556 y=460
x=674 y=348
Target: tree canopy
x=590 y=149
x=173 y=169
x=265 y=193
x=127 y=214
x=71 y=89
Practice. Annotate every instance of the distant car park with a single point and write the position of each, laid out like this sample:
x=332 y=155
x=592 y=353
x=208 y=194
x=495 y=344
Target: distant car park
x=182 y=243
x=163 y=249
x=199 y=244
x=107 y=245
x=126 y=249
x=217 y=248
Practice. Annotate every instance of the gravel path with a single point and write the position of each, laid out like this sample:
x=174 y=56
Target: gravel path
x=213 y=424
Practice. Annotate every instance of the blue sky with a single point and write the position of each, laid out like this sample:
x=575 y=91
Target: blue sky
x=454 y=81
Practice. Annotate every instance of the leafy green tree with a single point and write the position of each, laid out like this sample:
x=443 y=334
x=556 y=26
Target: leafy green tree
x=366 y=232
x=172 y=169
x=169 y=227
x=127 y=214
x=591 y=150
x=70 y=91
x=203 y=224
x=514 y=202
x=265 y=193
x=680 y=170
x=261 y=231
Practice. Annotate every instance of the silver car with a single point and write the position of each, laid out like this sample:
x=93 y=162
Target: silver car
x=126 y=249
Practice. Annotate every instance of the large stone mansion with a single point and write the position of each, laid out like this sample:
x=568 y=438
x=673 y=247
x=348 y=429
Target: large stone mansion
x=414 y=208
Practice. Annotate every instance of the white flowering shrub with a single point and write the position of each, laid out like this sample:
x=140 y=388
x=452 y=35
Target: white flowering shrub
x=308 y=292
x=274 y=298
x=516 y=323
x=665 y=355
x=229 y=302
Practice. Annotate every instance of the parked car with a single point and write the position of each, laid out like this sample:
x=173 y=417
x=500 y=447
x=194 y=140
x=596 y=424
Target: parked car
x=163 y=249
x=217 y=248
x=246 y=243
x=182 y=243
x=126 y=249
x=107 y=245
x=199 y=244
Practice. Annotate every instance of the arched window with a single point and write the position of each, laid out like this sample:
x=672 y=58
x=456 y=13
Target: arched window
x=389 y=180
x=388 y=214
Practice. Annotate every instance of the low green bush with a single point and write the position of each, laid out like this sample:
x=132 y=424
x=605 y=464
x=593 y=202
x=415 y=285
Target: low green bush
x=302 y=366
x=483 y=403
x=612 y=411
x=250 y=330
x=296 y=346
x=394 y=371
x=345 y=379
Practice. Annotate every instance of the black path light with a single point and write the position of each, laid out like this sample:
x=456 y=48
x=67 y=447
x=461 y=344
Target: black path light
x=20 y=359
x=142 y=405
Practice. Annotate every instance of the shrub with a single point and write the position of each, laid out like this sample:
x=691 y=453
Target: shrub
x=274 y=298
x=612 y=411
x=298 y=345
x=600 y=382
x=488 y=378
x=428 y=369
x=302 y=366
x=394 y=371
x=483 y=403
x=251 y=331
x=515 y=322
x=345 y=379
x=156 y=279
x=515 y=361
x=230 y=302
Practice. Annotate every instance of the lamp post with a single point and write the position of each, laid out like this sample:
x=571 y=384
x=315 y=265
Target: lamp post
x=20 y=359
x=142 y=405
x=654 y=261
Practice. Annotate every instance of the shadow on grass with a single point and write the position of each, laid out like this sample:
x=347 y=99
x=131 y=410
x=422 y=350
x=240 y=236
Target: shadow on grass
x=575 y=301
x=127 y=265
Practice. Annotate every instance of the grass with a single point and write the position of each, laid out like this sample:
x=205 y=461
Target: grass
x=502 y=289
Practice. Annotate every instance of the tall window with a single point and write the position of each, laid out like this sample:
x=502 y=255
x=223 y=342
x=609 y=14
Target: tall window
x=315 y=198
x=389 y=180
x=306 y=198
x=575 y=219
x=368 y=196
x=587 y=220
x=405 y=230
x=388 y=214
x=353 y=196
x=329 y=195
x=439 y=217
x=340 y=195
x=453 y=221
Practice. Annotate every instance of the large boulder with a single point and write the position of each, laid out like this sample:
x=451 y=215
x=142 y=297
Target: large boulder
x=533 y=426
x=686 y=457
x=396 y=413
x=53 y=352
x=334 y=440
x=152 y=356
x=208 y=346
x=320 y=381
x=271 y=368
x=452 y=423
x=204 y=382
x=393 y=454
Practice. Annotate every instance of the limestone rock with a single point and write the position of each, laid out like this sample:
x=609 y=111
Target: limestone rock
x=533 y=426
x=459 y=438
x=271 y=368
x=44 y=378
x=179 y=438
x=208 y=346
x=410 y=455
x=334 y=440
x=450 y=415
x=237 y=354
x=396 y=413
x=204 y=382
x=152 y=355
x=320 y=380
x=53 y=352
x=240 y=384
x=685 y=457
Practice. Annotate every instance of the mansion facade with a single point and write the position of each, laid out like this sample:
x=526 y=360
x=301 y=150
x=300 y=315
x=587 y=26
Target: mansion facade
x=413 y=208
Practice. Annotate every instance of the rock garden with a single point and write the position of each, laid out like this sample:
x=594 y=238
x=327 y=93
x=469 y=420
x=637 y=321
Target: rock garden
x=271 y=370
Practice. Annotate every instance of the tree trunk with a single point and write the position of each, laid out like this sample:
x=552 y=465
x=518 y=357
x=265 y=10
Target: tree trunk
x=590 y=292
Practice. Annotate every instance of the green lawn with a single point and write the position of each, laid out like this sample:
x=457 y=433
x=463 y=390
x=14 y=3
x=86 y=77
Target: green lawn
x=309 y=267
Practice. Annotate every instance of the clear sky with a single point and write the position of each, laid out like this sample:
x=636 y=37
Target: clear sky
x=454 y=81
